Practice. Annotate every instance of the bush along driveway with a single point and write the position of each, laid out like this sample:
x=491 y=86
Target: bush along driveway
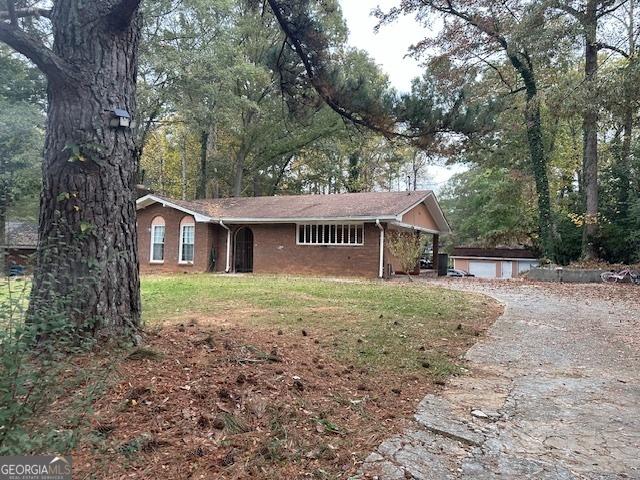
x=553 y=393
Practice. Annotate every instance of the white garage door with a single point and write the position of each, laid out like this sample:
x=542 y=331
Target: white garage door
x=483 y=269
x=525 y=266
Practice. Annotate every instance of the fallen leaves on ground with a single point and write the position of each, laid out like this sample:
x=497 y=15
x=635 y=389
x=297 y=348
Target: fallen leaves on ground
x=225 y=402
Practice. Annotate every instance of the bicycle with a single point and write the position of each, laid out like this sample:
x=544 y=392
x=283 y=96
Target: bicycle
x=621 y=277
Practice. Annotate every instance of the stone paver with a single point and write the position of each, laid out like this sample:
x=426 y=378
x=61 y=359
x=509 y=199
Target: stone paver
x=556 y=384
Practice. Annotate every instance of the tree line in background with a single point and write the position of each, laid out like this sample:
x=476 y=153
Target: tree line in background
x=539 y=100
x=223 y=112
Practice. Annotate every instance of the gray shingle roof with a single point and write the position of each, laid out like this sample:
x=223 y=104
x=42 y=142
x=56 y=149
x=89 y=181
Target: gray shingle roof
x=21 y=234
x=345 y=205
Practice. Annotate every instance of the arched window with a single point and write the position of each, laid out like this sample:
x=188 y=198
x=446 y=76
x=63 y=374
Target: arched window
x=187 y=240
x=158 y=229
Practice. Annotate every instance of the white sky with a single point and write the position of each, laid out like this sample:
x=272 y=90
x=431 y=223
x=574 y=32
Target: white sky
x=388 y=48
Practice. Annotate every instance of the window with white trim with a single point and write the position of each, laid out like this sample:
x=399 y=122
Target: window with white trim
x=187 y=240
x=158 y=230
x=349 y=234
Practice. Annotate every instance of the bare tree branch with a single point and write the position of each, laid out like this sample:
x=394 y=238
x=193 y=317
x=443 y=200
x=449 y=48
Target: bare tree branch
x=613 y=48
x=497 y=70
x=570 y=10
x=25 y=12
x=54 y=67
x=474 y=21
x=610 y=7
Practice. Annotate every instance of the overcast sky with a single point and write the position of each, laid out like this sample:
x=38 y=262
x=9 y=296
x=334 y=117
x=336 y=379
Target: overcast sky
x=388 y=48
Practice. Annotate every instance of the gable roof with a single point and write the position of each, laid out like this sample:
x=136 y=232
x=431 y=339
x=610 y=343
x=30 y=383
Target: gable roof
x=20 y=234
x=369 y=206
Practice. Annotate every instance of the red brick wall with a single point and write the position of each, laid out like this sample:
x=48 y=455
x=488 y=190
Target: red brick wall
x=275 y=249
x=203 y=242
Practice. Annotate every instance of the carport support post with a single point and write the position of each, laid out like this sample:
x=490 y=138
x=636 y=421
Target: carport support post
x=436 y=252
x=381 y=265
x=228 y=266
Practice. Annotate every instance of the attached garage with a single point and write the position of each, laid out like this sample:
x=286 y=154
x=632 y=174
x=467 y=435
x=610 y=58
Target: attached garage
x=500 y=263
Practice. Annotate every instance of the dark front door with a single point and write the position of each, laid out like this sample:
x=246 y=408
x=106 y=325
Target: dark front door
x=244 y=250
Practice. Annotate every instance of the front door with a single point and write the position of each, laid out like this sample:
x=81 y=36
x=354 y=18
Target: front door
x=244 y=251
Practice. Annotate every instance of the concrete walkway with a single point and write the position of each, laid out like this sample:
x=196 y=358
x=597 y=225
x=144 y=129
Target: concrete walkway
x=553 y=393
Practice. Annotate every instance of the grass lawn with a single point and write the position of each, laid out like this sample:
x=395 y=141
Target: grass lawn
x=368 y=323
x=14 y=297
x=270 y=377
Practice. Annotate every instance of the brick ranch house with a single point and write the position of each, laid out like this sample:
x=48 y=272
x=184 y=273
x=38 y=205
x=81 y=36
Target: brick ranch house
x=340 y=234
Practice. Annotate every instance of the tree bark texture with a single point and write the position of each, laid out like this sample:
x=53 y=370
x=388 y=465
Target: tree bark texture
x=204 y=170
x=183 y=168
x=629 y=102
x=239 y=172
x=87 y=258
x=537 y=153
x=590 y=132
x=3 y=232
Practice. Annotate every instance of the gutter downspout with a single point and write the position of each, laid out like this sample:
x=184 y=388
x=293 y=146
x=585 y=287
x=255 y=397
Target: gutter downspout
x=228 y=268
x=381 y=270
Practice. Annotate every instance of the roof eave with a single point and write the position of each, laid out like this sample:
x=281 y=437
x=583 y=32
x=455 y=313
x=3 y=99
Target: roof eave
x=417 y=228
x=148 y=200
x=439 y=217
x=368 y=218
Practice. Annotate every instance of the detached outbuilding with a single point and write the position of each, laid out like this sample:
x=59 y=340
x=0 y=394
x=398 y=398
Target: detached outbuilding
x=340 y=234
x=494 y=262
x=19 y=245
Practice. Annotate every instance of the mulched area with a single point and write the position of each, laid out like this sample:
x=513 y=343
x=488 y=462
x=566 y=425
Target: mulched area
x=229 y=402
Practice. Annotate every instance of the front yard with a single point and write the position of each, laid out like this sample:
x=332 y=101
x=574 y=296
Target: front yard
x=273 y=377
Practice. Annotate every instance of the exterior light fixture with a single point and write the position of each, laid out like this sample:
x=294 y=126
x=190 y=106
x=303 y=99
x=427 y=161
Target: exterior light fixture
x=121 y=118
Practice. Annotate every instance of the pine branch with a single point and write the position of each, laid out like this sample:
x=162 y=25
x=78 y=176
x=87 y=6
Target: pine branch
x=54 y=67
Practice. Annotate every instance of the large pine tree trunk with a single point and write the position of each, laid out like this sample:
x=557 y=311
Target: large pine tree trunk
x=590 y=133
x=87 y=262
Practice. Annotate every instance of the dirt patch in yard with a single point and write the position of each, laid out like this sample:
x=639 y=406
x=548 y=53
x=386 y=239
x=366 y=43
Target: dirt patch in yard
x=202 y=400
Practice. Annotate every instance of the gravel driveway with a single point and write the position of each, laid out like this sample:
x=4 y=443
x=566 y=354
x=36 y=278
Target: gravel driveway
x=553 y=393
